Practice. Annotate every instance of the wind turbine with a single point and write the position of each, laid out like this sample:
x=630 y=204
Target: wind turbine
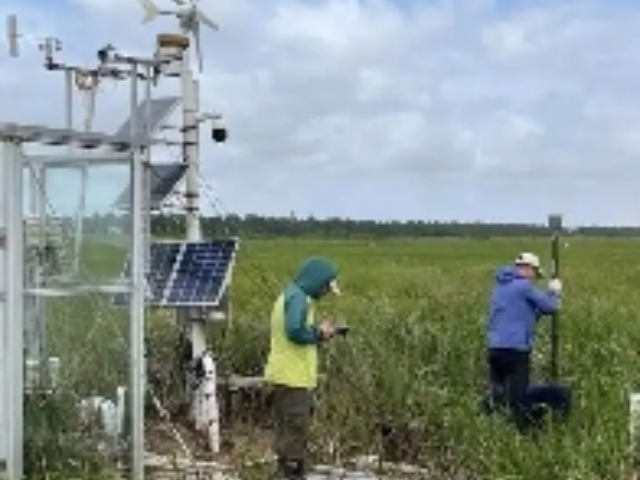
x=189 y=15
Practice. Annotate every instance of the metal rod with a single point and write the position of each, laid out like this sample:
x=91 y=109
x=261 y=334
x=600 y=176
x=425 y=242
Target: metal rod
x=63 y=161
x=41 y=213
x=191 y=149
x=14 y=307
x=137 y=307
x=68 y=80
x=34 y=313
x=5 y=388
x=555 y=224
x=147 y=165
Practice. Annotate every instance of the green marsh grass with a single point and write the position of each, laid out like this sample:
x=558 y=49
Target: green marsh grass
x=415 y=353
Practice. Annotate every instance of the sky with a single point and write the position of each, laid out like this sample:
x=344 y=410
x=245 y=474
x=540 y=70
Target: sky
x=487 y=110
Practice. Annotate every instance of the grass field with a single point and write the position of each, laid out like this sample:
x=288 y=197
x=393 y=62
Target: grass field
x=415 y=354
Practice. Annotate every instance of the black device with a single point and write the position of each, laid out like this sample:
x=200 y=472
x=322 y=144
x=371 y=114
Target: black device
x=341 y=330
x=555 y=225
x=219 y=132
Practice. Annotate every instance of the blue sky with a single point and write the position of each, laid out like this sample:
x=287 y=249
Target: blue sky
x=469 y=110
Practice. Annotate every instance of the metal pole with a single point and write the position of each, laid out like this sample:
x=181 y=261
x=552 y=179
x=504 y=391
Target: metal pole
x=147 y=176
x=191 y=151
x=191 y=141
x=137 y=307
x=69 y=101
x=4 y=341
x=194 y=229
x=191 y=138
x=34 y=319
x=44 y=263
x=555 y=225
x=77 y=241
x=14 y=307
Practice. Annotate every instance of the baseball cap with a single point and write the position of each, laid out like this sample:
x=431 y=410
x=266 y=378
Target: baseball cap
x=530 y=259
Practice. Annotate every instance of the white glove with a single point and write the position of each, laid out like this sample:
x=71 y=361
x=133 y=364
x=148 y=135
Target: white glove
x=555 y=285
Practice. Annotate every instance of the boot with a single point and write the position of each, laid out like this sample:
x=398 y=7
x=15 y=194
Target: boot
x=289 y=469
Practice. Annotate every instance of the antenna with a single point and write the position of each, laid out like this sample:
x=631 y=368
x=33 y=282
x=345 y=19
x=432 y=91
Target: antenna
x=12 y=35
x=190 y=18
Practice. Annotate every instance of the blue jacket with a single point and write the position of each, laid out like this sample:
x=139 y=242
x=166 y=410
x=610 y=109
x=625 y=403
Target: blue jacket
x=516 y=306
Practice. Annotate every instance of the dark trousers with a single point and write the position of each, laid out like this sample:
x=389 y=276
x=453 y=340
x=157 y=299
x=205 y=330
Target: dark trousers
x=509 y=376
x=293 y=410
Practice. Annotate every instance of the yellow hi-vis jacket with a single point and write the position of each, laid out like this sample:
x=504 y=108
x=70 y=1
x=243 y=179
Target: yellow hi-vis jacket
x=291 y=364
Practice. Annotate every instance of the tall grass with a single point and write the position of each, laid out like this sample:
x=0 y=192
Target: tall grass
x=416 y=351
x=415 y=355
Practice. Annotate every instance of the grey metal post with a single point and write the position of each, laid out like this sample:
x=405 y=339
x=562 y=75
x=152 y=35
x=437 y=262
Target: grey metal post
x=34 y=305
x=147 y=162
x=191 y=141
x=191 y=151
x=14 y=307
x=4 y=376
x=137 y=307
x=68 y=80
x=41 y=306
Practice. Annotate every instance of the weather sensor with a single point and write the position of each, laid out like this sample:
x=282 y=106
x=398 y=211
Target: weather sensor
x=12 y=35
x=190 y=18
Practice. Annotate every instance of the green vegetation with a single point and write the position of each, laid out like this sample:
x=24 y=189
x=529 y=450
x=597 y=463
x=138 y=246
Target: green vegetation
x=256 y=226
x=415 y=354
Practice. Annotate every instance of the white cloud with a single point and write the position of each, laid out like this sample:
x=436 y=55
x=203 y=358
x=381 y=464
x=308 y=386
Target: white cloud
x=474 y=109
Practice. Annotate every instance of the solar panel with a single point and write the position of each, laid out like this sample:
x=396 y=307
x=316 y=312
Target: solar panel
x=162 y=180
x=162 y=260
x=159 y=109
x=202 y=273
x=187 y=274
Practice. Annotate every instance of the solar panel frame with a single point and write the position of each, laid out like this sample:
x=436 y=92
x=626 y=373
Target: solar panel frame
x=159 y=110
x=164 y=254
x=205 y=285
x=163 y=178
x=178 y=283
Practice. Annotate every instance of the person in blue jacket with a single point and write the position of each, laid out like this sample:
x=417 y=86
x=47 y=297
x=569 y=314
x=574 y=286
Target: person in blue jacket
x=517 y=305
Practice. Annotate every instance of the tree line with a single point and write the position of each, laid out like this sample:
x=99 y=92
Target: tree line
x=257 y=226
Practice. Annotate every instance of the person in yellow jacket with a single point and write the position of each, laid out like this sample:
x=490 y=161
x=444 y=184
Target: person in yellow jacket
x=292 y=363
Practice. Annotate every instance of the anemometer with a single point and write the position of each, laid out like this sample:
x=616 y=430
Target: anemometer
x=189 y=16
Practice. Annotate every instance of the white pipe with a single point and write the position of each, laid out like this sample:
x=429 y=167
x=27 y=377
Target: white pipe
x=205 y=405
x=4 y=374
x=137 y=306
x=208 y=411
x=14 y=308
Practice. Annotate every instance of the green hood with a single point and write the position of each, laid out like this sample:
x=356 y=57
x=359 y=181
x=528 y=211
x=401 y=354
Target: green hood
x=314 y=275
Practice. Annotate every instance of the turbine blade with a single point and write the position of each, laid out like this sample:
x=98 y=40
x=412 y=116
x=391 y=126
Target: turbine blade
x=151 y=11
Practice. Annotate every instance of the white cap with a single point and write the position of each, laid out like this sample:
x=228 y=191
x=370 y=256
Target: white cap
x=530 y=259
x=333 y=286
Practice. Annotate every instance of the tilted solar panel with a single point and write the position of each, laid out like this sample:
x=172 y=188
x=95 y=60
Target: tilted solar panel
x=202 y=273
x=182 y=274
x=162 y=260
x=163 y=178
x=162 y=263
x=157 y=110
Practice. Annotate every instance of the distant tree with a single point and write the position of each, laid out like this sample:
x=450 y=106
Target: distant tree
x=257 y=226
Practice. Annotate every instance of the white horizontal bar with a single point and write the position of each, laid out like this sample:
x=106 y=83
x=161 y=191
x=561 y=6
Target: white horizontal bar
x=78 y=161
x=78 y=290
